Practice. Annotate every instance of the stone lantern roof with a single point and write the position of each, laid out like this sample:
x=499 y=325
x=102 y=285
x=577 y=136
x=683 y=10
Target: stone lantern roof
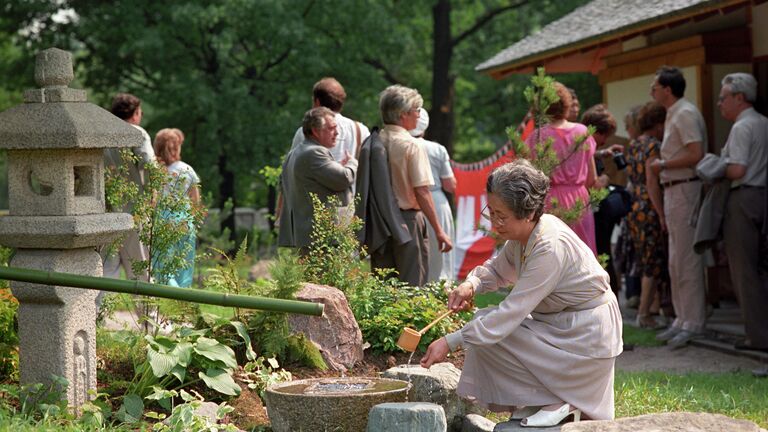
x=55 y=143
x=58 y=117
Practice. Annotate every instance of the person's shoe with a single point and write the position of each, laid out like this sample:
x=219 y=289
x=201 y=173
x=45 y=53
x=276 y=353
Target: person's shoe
x=760 y=372
x=681 y=339
x=668 y=333
x=524 y=412
x=551 y=418
x=633 y=302
x=647 y=322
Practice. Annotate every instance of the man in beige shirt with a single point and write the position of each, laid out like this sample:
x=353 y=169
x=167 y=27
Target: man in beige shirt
x=685 y=140
x=411 y=179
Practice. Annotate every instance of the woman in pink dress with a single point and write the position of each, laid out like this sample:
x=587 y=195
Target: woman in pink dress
x=576 y=172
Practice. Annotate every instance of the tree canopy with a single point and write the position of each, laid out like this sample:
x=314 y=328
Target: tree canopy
x=236 y=75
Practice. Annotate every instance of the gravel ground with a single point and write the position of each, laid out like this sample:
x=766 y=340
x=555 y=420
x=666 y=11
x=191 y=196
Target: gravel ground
x=688 y=359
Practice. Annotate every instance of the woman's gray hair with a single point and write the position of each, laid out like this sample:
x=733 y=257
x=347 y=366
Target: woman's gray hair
x=521 y=187
x=396 y=100
x=743 y=83
x=315 y=119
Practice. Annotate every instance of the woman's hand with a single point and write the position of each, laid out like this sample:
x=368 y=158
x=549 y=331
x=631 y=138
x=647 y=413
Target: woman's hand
x=437 y=351
x=459 y=299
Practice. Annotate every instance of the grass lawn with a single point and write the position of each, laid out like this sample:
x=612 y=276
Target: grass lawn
x=738 y=395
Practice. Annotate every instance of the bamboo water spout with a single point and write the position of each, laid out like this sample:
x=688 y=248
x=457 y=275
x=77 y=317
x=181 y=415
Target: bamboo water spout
x=163 y=291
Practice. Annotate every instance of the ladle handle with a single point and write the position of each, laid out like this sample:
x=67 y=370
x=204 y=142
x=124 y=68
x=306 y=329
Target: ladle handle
x=429 y=326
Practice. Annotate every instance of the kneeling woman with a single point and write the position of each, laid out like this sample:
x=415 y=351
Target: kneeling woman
x=548 y=350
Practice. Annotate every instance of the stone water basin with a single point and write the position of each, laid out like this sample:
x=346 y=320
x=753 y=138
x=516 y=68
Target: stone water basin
x=329 y=404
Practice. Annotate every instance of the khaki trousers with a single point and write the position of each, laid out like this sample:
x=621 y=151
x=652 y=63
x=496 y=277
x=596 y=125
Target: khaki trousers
x=686 y=267
x=744 y=218
x=410 y=260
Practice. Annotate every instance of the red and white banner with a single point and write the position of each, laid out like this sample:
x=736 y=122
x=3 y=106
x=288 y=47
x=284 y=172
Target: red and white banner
x=472 y=247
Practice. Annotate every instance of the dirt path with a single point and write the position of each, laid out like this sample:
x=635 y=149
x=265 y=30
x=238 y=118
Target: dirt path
x=688 y=359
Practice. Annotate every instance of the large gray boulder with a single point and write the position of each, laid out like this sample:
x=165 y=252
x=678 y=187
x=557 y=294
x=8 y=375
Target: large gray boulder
x=436 y=385
x=674 y=421
x=336 y=333
x=407 y=417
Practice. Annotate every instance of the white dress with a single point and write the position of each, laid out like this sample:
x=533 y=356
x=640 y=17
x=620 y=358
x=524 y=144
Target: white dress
x=440 y=264
x=554 y=338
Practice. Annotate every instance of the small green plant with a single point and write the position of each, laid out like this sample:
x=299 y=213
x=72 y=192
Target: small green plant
x=383 y=309
x=164 y=216
x=262 y=373
x=184 y=417
x=182 y=359
x=333 y=257
x=226 y=277
x=274 y=337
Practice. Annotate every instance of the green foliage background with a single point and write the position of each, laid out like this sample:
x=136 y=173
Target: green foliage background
x=235 y=75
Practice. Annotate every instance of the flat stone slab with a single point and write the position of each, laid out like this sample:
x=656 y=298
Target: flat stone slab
x=62 y=232
x=674 y=421
x=514 y=426
x=407 y=417
x=477 y=423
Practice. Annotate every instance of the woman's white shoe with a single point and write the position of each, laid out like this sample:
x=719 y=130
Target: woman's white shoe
x=551 y=418
x=524 y=412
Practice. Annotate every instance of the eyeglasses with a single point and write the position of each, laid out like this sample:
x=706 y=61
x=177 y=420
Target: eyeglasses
x=493 y=219
x=722 y=98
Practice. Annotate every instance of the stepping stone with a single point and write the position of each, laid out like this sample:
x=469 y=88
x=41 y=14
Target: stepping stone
x=407 y=417
x=477 y=423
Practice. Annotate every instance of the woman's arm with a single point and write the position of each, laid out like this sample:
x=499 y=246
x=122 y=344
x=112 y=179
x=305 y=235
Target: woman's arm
x=194 y=194
x=592 y=179
x=654 y=191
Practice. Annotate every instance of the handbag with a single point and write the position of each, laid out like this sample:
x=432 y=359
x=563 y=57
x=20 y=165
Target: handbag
x=616 y=205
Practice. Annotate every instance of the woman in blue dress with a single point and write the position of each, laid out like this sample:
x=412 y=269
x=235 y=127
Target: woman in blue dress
x=183 y=180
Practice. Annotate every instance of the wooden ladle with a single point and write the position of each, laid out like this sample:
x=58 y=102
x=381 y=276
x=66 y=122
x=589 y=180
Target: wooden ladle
x=410 y=338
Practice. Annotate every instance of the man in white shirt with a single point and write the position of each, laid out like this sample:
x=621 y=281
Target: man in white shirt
x=685 y=140
x=330 y=94
x=746 y=155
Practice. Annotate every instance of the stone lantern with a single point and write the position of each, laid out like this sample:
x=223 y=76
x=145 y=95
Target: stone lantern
x=55 y=143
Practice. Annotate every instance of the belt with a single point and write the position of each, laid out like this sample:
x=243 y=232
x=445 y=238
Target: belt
x=677 y=182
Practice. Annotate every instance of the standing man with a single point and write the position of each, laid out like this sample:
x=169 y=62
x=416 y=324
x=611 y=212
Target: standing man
x=411 y=180
x=746 y=155
x=310 y=168
x=685 y=141
x=128 y=108
x=330 y=94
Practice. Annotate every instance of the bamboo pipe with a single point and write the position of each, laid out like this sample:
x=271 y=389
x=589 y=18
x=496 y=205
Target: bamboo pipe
x=163 y=291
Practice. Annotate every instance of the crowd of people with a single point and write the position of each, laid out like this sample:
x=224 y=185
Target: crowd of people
x=402 y=180
x=563 y=308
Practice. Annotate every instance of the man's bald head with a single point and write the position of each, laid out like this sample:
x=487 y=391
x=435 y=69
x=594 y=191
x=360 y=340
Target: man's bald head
x=329 y=93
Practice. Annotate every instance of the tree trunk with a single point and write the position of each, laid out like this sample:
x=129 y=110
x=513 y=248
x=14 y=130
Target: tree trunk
x=441 y=119
x=227 y=190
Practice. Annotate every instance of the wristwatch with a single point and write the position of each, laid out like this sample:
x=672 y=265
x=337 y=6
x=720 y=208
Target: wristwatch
x=663 y=163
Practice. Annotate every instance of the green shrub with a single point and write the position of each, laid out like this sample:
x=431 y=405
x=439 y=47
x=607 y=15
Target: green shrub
x=334 y=253
x=385 y=308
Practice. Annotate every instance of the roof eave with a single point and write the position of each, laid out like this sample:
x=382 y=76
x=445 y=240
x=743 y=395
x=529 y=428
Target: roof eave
x=623 y=33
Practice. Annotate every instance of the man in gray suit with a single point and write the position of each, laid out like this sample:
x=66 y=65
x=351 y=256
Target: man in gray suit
x=310 y=168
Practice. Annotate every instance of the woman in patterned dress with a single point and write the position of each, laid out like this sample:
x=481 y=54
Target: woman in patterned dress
x=647 y=226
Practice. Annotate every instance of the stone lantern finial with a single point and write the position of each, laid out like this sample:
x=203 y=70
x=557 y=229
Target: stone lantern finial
x=53 y=68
